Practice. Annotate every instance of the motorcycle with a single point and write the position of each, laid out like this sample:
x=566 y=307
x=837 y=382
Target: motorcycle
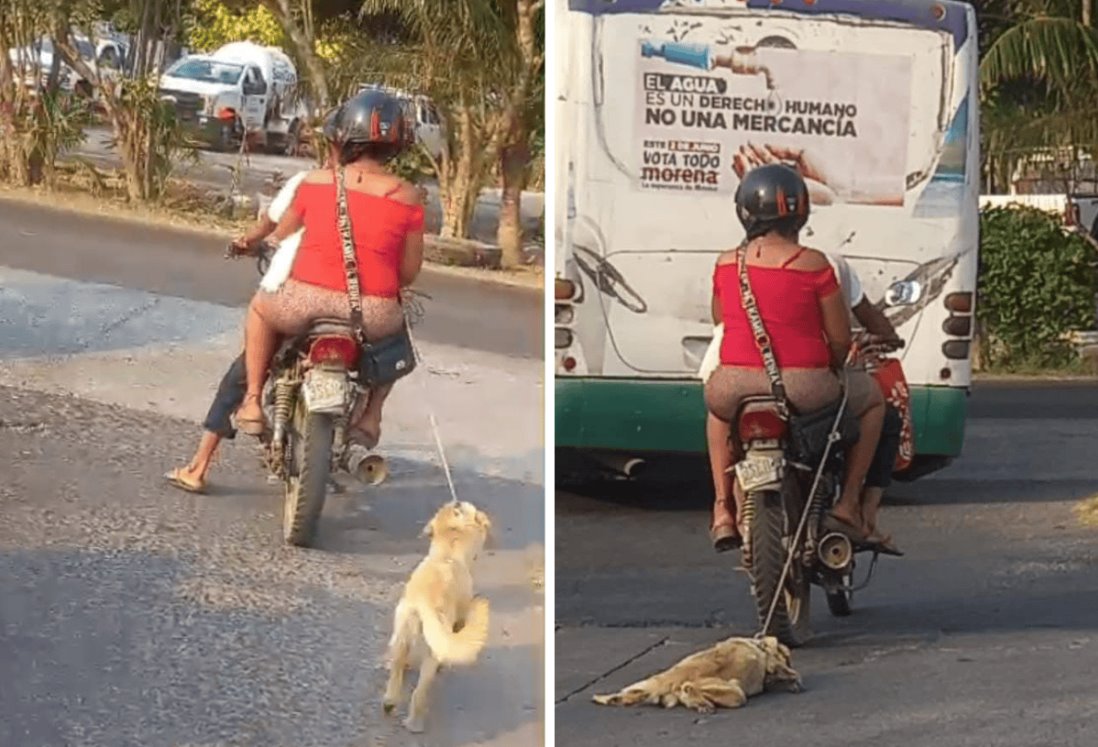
x=787 y=548
x=311 y=391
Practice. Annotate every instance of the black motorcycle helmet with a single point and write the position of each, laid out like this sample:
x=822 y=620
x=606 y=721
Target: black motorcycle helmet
x=371 y=123
x=772 y=197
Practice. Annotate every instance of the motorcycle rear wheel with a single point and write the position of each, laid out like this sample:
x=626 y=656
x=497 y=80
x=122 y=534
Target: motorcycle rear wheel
x=769 y=548
x=306 y=487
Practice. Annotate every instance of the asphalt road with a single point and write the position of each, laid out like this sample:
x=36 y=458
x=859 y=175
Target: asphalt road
x=213 y=170
x=133 y=615
x=986 y=633
x=466 y=312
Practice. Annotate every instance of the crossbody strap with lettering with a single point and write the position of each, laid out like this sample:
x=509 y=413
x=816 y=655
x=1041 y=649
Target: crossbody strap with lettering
x=350 y=260
x=758 y=331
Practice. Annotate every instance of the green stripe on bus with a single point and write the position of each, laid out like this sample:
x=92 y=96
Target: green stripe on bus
x=668 y=415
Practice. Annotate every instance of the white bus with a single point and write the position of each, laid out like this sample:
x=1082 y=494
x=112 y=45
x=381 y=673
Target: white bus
x=663 y=104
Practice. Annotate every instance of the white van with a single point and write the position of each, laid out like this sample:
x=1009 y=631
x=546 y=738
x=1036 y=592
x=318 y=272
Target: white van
x=243 y=90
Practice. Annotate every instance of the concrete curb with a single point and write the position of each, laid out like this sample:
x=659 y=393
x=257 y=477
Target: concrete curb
x=1036 y=377
x=79 y=204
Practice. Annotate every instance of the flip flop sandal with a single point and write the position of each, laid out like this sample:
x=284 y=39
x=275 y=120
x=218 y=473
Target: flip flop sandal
x=884 y=545
x=725 y=538
x=176 y=479
x=251 y=426
x=851 y=532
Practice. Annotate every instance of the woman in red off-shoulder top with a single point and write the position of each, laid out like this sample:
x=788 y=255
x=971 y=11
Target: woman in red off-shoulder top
x=387 y=227
x=805 y=316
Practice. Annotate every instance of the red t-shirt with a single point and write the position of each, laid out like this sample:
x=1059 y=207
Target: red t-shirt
x=379 y=226
x=789 y=304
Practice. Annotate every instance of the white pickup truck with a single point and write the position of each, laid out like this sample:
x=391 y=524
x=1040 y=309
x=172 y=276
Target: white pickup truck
x=241 y=91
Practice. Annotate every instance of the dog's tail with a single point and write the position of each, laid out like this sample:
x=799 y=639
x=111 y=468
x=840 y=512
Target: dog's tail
x=462 y=647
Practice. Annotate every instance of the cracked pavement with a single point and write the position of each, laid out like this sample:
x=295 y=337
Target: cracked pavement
x=984 y=634
x=133 y=614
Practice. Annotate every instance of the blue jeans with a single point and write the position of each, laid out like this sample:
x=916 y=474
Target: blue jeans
x=229 y=397
x=884 y=459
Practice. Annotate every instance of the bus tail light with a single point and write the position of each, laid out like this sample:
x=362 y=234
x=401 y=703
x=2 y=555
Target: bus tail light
x=960 y=303
x=569 y=363
x=956 y=350
x=564 y=313
x=957 y=326
x=562 y=338
x=564 y=290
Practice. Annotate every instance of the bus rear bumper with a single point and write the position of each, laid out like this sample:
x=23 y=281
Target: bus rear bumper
x=667 y=416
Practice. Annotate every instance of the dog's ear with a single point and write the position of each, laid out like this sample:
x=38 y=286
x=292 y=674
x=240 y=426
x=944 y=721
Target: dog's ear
x=786 y=654
x=428 y=529
x=484 y=522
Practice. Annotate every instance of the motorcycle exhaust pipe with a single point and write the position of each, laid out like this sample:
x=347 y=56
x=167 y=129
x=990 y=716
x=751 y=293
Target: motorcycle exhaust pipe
x=622 y=466
x=368 y=468
x=835 y=551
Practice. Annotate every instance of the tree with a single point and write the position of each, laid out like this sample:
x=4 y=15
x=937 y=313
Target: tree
x=523 y=114
x=147 y=135
x=479 y=62
x=1039 y=79
x=212 y=23
x=300 y=27
x=38 y=119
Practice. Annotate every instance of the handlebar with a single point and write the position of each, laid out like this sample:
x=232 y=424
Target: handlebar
x=261 y=250
x=878 y=347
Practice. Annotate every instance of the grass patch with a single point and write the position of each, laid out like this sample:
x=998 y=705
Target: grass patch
x=1086 y=511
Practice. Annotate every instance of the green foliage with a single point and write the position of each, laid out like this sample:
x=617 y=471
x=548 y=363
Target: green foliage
x=1037 y=284
x=213 y=23
x=152 y=141
x=1039 y=79
x=412 y=165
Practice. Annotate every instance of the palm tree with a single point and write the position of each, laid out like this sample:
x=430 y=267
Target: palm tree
x=1039 y=79
x=480 y=62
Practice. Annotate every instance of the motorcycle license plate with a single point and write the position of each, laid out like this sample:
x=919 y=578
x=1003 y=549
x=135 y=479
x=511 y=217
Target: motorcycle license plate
x=753 y=472
x=325 y=391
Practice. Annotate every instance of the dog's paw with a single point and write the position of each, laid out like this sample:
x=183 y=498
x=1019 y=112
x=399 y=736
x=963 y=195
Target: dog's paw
x=604 y=699
x=706 y=709
x=795 y=687
x=414 y=725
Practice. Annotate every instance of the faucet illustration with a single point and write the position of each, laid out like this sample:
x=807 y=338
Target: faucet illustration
x=742 y=60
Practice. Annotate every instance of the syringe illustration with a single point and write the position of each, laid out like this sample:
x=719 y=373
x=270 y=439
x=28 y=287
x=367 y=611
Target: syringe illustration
x=742 y=61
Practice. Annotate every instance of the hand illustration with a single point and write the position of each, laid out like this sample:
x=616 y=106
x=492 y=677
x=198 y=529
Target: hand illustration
x=750 y=155
x=823 y=189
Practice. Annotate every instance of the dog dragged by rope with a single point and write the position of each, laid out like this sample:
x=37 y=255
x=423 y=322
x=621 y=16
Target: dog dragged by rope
x=438 y=621
x=722 y=676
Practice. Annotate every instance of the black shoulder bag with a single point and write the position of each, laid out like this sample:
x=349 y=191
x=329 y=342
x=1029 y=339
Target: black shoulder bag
x=390 y=358
x=808 y=433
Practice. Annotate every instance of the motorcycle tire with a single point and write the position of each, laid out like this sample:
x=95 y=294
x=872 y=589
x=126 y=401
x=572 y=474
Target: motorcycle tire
x=307 y=486
x=790 y=623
